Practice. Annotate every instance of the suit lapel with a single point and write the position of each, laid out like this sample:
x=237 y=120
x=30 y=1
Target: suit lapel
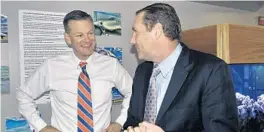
x=180 y=73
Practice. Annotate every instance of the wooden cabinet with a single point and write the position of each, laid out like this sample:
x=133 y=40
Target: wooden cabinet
x=232 y=43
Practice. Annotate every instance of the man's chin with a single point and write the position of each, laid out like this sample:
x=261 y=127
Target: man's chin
x=89 y=52
x=140 y=57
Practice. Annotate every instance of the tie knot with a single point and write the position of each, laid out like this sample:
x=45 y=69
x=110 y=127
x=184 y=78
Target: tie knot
x=156 y=71
x=155 y=66
x=83 y=64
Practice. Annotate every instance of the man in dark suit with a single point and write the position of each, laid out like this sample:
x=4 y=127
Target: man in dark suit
x=177 y=89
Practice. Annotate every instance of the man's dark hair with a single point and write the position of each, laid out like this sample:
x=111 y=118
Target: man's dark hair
x=165 y=15
x=75 y=15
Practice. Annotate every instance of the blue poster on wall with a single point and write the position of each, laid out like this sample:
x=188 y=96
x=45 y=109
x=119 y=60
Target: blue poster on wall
x=17 y=124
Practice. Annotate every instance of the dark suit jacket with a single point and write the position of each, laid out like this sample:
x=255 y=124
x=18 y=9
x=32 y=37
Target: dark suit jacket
x=200 y=95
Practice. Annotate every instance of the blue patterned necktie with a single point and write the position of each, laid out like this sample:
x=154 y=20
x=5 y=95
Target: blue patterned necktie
x=151 y=99
x=85 y=107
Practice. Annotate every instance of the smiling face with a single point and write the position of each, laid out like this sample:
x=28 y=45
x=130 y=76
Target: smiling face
x=81 y=38
x=142 y=39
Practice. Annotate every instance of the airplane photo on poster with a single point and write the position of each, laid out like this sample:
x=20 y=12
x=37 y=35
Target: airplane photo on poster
x=107 y=23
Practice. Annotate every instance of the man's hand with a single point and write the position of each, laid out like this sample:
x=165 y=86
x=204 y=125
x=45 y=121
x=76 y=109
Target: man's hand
x=49 y=129
x=149 y=127
x=113 y=127
x=136 y=129
x=145 y=127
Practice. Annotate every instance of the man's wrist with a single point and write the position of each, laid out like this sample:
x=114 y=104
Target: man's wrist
x=39 y=125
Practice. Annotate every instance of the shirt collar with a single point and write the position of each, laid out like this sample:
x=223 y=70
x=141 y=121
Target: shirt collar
x=168 y=63
x=76 y=60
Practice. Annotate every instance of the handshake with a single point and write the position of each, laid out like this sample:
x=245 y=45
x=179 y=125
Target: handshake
x=144 y=127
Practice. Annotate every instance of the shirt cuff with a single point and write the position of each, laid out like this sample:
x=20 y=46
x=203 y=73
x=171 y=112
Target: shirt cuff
x=40 y=124
x=121 y=120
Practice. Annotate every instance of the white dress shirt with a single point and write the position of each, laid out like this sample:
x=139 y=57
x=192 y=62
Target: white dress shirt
x=162 y=80
x=59 y=76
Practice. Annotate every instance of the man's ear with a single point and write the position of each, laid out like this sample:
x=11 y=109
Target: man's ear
x=67 y=39
x=158 y=30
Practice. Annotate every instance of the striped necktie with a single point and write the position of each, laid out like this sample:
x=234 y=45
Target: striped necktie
x=85 y=108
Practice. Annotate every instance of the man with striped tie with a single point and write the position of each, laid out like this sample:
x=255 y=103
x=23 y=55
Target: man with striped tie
x=79 y=84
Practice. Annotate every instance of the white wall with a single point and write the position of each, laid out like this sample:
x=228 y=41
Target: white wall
x=192 y=15
x=260 y=12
